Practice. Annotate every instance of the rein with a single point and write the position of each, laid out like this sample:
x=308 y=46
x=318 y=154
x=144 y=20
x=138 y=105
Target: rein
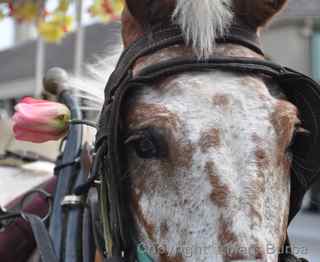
x=119 y=232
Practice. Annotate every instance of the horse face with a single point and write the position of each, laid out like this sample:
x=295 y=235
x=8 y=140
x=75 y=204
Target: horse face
x=207 y=152
x=210 y=169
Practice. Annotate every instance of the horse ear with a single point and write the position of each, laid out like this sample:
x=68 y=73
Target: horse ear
x=137 y=9
x=258 y=12
x=148 y=12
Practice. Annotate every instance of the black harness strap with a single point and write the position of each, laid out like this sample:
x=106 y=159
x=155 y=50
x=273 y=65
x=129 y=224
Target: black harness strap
x=244 y=37
x=233 y=64
x=42 y=238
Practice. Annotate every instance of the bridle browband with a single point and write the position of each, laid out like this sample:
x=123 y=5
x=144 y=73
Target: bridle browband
x=119 y=232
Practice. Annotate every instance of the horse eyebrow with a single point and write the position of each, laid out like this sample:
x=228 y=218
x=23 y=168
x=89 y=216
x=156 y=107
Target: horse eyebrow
x=151 y=115
x=141 y=125
x=151 y=122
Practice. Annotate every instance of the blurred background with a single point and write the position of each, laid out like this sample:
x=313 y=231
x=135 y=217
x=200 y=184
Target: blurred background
x=72 y=33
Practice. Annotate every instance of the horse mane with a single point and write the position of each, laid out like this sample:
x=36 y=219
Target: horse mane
x=90 y=85
x=203 y=21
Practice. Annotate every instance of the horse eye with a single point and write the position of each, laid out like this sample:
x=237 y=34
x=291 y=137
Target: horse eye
x=148 y=143
x=300 y=137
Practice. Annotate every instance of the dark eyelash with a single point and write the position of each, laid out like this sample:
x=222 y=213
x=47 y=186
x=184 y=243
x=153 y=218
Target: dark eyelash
x=299 y=138
x=149 y=143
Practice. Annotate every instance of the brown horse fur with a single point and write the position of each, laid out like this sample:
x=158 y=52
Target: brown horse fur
x=139 y=16
x=257 y=13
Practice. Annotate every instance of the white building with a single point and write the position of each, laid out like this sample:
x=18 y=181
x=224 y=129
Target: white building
x=293 y=38
x=18 y=64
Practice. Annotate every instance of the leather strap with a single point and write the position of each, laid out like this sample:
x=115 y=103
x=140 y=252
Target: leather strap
x=234 y=64
x=245 y=37
x=42 y=238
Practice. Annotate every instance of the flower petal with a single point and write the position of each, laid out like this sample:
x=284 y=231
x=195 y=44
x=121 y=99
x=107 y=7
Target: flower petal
x=36 y=137
x=31 y=100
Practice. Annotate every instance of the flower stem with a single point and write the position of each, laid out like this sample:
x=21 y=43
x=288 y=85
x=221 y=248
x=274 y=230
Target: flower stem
x=83 y=122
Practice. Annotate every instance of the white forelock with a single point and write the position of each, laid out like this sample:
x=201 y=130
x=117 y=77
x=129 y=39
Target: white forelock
x=202 y=21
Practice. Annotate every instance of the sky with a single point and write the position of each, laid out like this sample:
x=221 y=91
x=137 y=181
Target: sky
x=6 y=33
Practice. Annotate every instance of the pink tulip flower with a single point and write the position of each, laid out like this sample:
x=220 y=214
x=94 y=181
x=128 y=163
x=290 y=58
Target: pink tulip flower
x=39 y=121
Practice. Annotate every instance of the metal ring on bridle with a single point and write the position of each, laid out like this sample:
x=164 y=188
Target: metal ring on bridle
x=72 y=201
x=46 y=195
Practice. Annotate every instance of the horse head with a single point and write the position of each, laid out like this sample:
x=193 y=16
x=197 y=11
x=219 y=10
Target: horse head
x=207 y=153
